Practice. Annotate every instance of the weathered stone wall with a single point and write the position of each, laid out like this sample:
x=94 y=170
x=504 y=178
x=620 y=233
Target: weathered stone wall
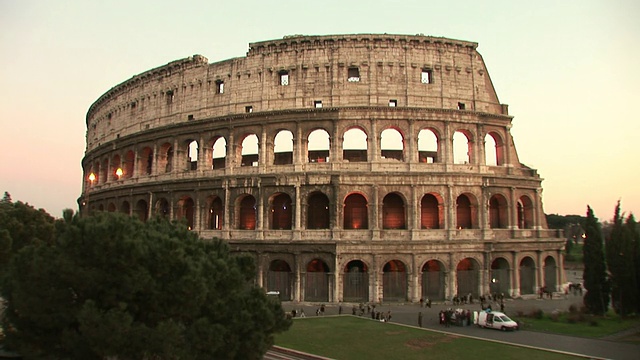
x=389 y=67
x=140 y=132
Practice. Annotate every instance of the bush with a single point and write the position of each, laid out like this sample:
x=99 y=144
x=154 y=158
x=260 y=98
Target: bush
x=555 y=315
x=536 y=314
x=573 y=309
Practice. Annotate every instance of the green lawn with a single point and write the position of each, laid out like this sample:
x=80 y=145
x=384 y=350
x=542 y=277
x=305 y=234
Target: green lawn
x=347 y=337
x=588 y=326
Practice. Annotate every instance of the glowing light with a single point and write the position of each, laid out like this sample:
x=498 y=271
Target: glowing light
x=92 y=178
x=119 y=173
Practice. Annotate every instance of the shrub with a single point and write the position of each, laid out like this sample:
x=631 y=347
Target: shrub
x=536 y=313
x=573 y=309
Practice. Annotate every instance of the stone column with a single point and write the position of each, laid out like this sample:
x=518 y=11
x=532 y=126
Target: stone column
x=446 y=144
x=177 y=153
x=410 y=147
x=482 y=145
x=154 y=167
x=516 y=275
x=373 y=143
x=513 y=210
x=298 y=212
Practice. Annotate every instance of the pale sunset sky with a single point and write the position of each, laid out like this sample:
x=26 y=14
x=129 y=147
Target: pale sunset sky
x=567 y=69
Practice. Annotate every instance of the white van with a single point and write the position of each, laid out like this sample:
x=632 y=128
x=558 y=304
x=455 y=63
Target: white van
x=495 y=320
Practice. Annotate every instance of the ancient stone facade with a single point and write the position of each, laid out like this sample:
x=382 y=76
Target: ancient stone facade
x=335 y=161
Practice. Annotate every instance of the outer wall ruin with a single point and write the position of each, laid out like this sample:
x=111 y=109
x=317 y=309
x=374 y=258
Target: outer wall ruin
x=335 y=162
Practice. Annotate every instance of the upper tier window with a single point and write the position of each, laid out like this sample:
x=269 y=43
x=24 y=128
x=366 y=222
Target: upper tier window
x=426 y=77
x=353 y=74
x=284 y=78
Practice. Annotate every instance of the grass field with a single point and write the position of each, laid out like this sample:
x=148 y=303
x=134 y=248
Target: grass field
x=581 y=325
x=347 y=337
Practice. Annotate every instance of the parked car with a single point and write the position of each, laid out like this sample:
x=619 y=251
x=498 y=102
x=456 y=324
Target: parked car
x=495 y=320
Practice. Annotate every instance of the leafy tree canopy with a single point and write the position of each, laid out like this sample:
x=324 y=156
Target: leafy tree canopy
x=21 y=225
x=555 y=221
x=111 y=286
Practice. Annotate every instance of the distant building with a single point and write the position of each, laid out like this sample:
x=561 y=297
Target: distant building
x=351 y=167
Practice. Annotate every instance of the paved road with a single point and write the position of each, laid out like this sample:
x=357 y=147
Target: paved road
x=408 y=314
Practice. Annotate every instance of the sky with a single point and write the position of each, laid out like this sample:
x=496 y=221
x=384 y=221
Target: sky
x=567 y=69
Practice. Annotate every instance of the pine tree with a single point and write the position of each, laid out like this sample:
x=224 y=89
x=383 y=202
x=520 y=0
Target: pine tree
x=113 y=287
x=634 y=234
x=620 y=260
x=596 y=299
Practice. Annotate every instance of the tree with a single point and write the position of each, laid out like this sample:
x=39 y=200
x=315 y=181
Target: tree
x=112 y=286
x=20 y=225
x=634 y=230
x=621 y=255
x=596 y=299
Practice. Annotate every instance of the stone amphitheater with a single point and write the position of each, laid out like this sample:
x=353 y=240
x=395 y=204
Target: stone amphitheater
x=353 y=168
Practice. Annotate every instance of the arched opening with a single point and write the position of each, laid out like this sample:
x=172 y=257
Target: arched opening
x=125 y=208
x=111 y=207
x=279 y=279
x=283 y=148
x=433 y=280
x=355 y=212
x=216 y=213
x=318 y=146
x=498 y=212
x=116 y=168
x=468 y=277
x=394 y=281
x=318 y=211
x=392 y=145
x=316 y=287
x=461 y=148
x=427 y=146
x=493 y=149
x=142 y=210
x=430 y=209
x=490 y=158
x=162 y=208
x=165 y=161
x=550 y=272
x=129 y=163
x=145 y=161
x=219 y=154
x=463 y=212
x=527 y=276
x=280 y=212
x=192 y=155
x=354 y=146
x=500 y=279
x=355 y=282
x=186 y=211
x=525 y=213
x=393 y=212
x=249 y=151
x=247 y=213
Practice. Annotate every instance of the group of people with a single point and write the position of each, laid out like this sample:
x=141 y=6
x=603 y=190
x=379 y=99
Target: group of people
x=460 y=317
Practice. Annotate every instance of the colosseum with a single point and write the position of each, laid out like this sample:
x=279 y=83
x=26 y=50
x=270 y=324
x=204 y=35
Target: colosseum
x=352 y=168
